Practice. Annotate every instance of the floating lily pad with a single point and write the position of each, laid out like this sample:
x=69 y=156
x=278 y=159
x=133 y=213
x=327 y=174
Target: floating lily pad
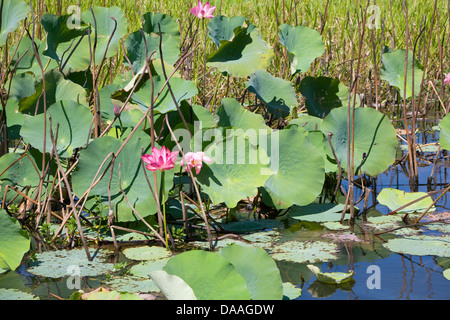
x=111 y=295
x=388 y=222
x=218 y=243
x=146 y=253
x=132 y=284
x=62 y=263
x=251 y=225
x=394 y=199
x=335 y=225
x=143 y=269
x=441 y=227
x=14 y=294
x=318 y=212
x=446 y=274
x=301 y=252
x=291 y=291
x=331 y=277
x=421 y=245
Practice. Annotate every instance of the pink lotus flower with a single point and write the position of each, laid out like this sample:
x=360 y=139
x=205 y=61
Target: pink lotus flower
x=447 y=79
x=160 y=159
x=195 y=159
x=201 y=11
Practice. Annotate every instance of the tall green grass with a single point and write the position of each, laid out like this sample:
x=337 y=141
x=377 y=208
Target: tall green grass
x=339 y=21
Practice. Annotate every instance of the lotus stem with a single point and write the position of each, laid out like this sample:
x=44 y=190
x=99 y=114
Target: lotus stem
x=163 y=203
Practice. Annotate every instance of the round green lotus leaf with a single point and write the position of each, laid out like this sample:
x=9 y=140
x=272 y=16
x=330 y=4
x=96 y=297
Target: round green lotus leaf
x=23 y=58
x=14 y=294
x=57 y=88
x=14 y=242
x=160 y=23
x=59 y=30
x=444 y=132
x=298 y=169
x=238 y=168
x=222 y=27
x=105 y=21
x=331 y=277
x=308 y=122
x=262 y=275
x=13 y=11
x=133 y=180
x=393 y=71
x=21 y=170
x=65 y=263
x=210 y=275
x=172 y=286
x=181 y=89
x=301 y=252
x=303 y=44
x=276 y=93
x=322 y=144
x=138 y=46
x=71 y=124
x=394 y=199
x=421 y=245
x=232 y=114
x=146 y=253
x=244 y=54
x=375 y=142
x=22 y=86
x=323 y=94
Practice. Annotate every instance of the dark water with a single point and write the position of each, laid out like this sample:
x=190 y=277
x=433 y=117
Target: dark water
x=401 y=277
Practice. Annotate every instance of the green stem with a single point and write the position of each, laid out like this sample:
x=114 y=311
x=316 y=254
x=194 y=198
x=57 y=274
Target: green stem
x=163 y=203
